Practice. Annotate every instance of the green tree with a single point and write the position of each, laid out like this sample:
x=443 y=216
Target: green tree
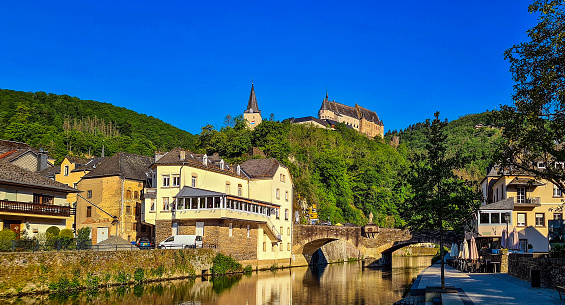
x=535 y=122
x=441 y=200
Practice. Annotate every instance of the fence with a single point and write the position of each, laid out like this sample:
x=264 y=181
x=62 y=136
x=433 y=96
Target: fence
x=31 y=245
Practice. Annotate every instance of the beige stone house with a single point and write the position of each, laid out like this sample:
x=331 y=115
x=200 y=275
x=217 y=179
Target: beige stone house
x=530 y=203
x=110 y=197
x=241 y=210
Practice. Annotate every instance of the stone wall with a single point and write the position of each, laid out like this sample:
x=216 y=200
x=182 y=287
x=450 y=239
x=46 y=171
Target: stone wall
x=33 y=272
x=216 y=235
x=552 y=270
x=416 y=251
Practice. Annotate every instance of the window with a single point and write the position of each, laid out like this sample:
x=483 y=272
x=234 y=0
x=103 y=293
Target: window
x=557 y=216
x=136 y=195
x=556 y=191
x=239 y=190
x=166 y=180
x=521 y=194
x=180 y=203
x=540 y=219
x=522 y=219
x=495 y=218
x=227 y=188
x=152 y=208
x=523 y=245
x=286 y=214
x=88 y=211
x=193 y=181
x=89 y=194
x=277 y=213
x=75 y=185
x=248 y=231
x=264 y=246
x=484 y=218
x=128 y=194
x=288 y=231
x=128 y=209
x=165 y=203
x=231 y=230
x=66 y=170
x=287 y=246
x=176 y=180
x=278 y=194
x=282 y=178
x=286 y=195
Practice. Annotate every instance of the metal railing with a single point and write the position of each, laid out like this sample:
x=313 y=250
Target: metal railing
x=34 y=208
x=273 y=229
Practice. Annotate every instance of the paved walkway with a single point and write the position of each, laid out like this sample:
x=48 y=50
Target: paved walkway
x=488 y=288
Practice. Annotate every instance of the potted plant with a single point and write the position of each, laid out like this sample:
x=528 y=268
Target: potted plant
x=530 y=248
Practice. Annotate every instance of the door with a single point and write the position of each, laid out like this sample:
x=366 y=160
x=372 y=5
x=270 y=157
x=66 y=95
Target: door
x=15 y=227
x=101 y=234
x=200 y=228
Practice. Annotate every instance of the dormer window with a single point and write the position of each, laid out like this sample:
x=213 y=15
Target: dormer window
x=66 y=170
x=205 y=159
x=541 y=165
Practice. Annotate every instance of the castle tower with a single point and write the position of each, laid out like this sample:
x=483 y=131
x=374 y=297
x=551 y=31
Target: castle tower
x=252 y=115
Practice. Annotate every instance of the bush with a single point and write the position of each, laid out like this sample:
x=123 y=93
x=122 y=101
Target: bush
x=248 y=269
x=52 y=232
x=6 y=238
x=223 y=264
x=66 y=233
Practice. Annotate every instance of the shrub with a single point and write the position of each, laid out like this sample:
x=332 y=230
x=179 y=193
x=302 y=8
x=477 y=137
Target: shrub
x=138 y=275
x=223 y=264
x=248 y=269
x=52 y=232
x=66 y=237
x=6 y=238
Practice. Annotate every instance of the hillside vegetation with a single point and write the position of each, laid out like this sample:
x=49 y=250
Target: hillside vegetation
x=63 y=124
x=475 y=146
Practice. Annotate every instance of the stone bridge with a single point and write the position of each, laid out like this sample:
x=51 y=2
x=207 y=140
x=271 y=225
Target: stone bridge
x=309 y=238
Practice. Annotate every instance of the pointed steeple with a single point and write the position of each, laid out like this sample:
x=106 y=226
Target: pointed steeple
x=252 y=103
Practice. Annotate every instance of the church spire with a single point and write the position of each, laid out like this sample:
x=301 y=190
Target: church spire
x=252 y=103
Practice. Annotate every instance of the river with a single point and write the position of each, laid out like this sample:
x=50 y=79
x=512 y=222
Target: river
x=344 y=283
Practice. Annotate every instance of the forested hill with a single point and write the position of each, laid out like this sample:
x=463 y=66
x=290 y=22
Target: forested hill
x=61 y=123
x=465 y=139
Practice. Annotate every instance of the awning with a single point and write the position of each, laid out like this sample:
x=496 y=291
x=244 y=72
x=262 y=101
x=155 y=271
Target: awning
x=525 y=181
x=189 y=192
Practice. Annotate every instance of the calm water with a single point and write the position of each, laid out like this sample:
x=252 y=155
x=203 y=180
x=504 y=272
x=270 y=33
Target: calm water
x=345 y=283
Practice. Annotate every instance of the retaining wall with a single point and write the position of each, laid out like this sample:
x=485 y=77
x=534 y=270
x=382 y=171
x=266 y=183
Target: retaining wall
x=552 y=270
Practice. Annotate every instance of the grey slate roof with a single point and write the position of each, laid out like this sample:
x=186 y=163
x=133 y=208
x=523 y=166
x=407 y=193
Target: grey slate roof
x=506 y=204
x=126 y=165
x=252 y=103
x=50 y=172
x=261 y=168
x=76 y=160
x=13 y=174
x=308 y=119
x=88 y=166
x=340 y=109
x=369 y=115
x=188 y=191
x=175 y=157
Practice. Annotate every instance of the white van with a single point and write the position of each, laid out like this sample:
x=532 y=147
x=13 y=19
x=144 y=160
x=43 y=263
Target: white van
x=181 y=242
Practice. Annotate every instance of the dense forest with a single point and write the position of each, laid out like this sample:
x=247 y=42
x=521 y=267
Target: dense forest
x=63 y=124
x=347 y=174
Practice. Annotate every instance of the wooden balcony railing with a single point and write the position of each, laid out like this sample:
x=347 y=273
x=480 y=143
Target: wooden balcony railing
x=34 y=208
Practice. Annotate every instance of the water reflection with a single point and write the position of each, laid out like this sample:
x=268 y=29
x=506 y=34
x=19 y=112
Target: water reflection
x=345 y=283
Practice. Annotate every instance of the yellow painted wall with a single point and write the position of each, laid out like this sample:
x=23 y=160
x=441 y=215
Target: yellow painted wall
x=70 y=179
x=249 y=117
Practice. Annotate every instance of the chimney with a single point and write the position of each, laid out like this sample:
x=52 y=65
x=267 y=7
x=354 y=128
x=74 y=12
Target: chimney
x=238 y=169
x=222 y=164
x=41 y=160
x=157 y=155
x=205 y=160
x=182 y=155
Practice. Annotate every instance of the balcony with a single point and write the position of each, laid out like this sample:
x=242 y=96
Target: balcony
x=34 y=208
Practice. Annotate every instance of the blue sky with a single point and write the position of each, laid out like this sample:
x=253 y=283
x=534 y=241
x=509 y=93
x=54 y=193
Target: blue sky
x=190 y=63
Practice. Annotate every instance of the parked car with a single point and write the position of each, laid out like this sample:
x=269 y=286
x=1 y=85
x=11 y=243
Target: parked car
x=181 y=242
x=144 y=243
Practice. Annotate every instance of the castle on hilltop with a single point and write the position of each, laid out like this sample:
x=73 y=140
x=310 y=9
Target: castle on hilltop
x=361 y=119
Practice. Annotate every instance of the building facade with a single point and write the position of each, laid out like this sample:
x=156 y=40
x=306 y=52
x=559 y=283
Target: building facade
x=241 y=210
x=110 y=198
x=31 y=203
x=252 y=115
x=529 y=202
x=361 y=119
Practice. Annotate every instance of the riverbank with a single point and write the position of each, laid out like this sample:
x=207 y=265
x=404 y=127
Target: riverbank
x=482 y=288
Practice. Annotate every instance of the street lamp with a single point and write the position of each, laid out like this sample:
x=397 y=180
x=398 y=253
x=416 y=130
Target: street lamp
x=507 y=219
